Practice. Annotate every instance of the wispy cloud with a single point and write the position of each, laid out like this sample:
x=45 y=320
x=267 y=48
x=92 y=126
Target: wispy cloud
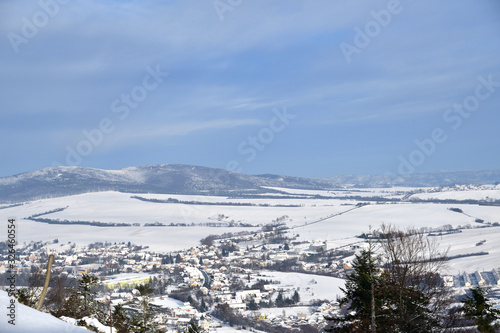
x=226 y=77
x=144 y=134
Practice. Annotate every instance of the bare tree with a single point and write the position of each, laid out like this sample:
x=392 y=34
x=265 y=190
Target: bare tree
x=58 y=292
x=412 y=263
x=30 y=294
x=395 y=286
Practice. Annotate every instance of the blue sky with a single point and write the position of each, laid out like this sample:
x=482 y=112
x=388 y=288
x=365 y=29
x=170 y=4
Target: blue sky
x=293 y=87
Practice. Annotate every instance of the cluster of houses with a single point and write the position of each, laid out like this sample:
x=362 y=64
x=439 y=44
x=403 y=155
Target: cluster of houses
x=482 y=279
x=121 y=267
x=223 y=273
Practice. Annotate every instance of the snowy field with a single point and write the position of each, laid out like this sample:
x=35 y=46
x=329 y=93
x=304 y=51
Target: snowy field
x=166 y=302
x=120 y=207
x=333 y=220
x=465 y=242
x=164 y=239
x=392 y=192
x=482 y=194
x=287 y=311
x=402 y=215
x=310 y=287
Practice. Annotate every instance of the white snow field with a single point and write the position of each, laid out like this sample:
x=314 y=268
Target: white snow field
x=29 y=320
x=120 y=207
x=402 y=215
x=157 y=238
x=166 y=302
x=332 y=220
x=362 y=192
x=490 y=192
x=465 y=242
x=310 y=287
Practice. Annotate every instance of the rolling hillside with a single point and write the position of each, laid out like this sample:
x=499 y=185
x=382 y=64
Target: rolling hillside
x=186 y=179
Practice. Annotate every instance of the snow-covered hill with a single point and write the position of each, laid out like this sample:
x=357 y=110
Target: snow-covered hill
x=167 y=178
x=335 y=220
x=186 y=179
x=29 y=320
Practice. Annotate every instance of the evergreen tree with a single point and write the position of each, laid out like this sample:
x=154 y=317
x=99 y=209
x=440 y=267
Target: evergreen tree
x=252 y=305
x=81 y=300
x=144 y=289
x=178 y=258
x=143 y=321
x=86 y=283
x=203 y=305
x=296 y=297
x=120 y=319
x=401 y=291
x=279 y=299
x=478 y=308
x=194 y=328
x=359 y=291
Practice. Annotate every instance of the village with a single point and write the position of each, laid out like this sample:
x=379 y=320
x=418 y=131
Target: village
x=246 y=280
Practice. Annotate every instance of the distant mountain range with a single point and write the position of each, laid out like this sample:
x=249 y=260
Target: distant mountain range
x=166 y=178
x=428 y=179
x=187 y=179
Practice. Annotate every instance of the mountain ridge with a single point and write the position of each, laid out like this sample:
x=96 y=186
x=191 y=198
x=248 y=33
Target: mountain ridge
x=164 y=178
x=189 y=179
